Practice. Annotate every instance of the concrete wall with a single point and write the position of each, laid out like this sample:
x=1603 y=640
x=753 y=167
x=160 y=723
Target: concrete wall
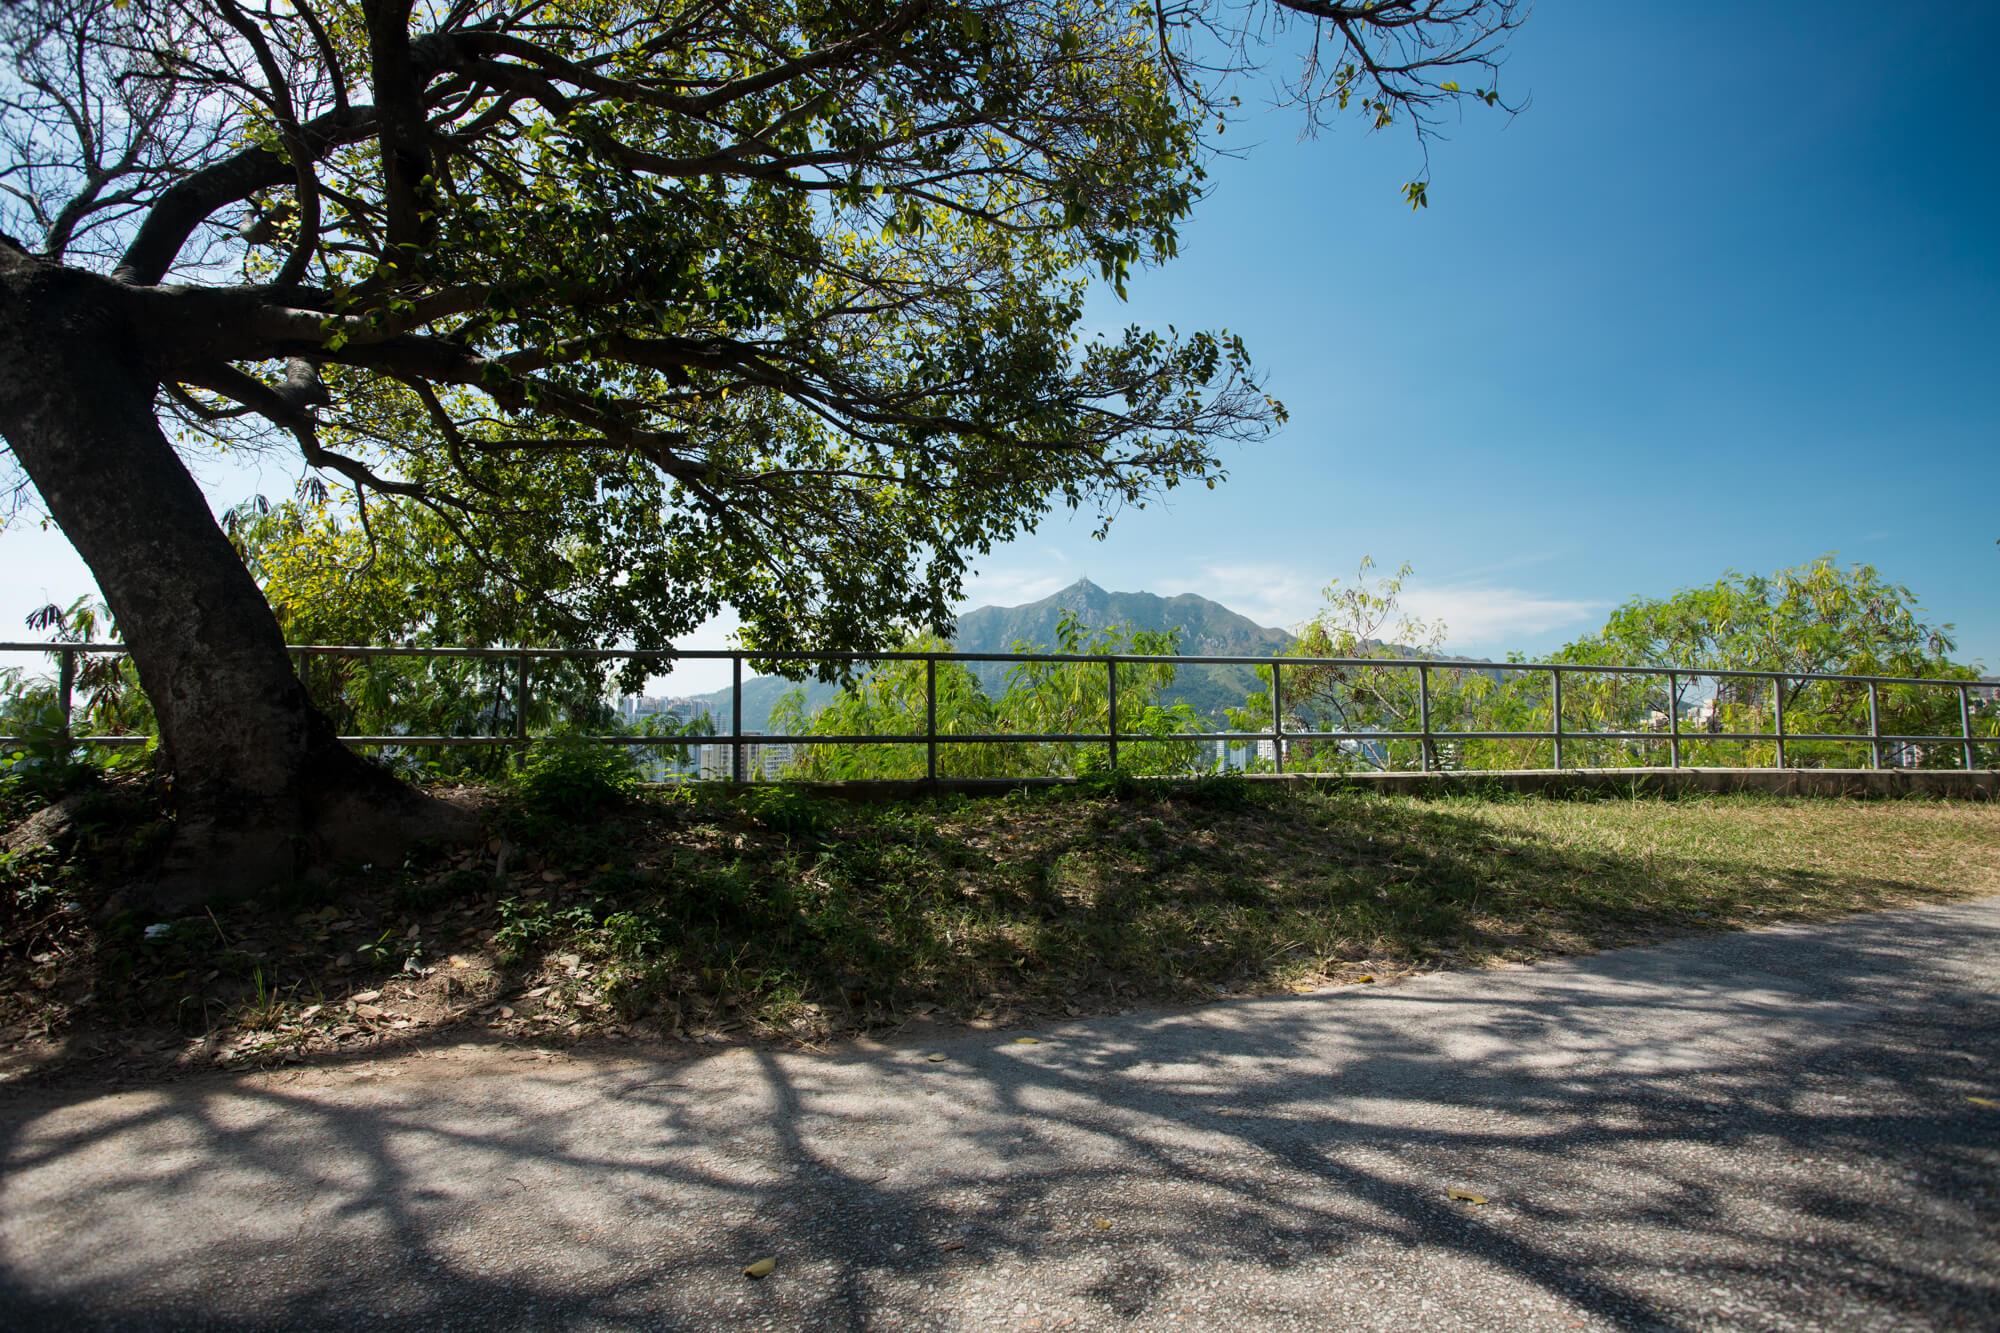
x=1980 y=784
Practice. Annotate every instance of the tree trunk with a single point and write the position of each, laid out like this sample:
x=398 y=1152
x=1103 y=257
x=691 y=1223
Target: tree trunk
x=261 y=785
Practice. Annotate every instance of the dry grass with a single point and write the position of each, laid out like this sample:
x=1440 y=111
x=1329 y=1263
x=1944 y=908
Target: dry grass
x=777 y=916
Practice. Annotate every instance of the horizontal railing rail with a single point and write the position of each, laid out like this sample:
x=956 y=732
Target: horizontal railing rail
x=738 y=741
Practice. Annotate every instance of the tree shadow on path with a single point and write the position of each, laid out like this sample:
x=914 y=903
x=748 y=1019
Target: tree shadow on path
x=1769 y=1130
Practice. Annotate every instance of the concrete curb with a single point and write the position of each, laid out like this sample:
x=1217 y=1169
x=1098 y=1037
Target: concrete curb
x=1854 y=783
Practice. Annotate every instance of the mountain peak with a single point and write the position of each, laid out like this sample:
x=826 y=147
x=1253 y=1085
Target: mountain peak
x=1082 y=592
x=1205 y=626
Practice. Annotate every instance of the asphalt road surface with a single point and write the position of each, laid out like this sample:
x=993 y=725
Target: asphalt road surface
x=1797 y=1128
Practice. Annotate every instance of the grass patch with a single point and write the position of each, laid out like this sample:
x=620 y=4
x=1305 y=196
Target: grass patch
x=702 y=915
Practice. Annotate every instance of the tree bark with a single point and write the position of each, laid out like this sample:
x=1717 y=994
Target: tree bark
x=261 y=784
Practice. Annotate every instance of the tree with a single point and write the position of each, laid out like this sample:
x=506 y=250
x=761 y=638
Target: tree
x=1362 y=620
x=1040 y=699
x=651 y=306
x=402 y=581
x=103 y=699
x=1816 y=618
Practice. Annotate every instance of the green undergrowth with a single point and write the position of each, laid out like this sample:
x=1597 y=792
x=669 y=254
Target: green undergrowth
x=812 y=914
x=697 y=913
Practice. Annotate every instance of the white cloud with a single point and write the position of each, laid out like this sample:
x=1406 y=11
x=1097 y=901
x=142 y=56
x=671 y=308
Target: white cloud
x=1476 y=615
x=1270 y=594
x=1492 y=618
x=1014 y=584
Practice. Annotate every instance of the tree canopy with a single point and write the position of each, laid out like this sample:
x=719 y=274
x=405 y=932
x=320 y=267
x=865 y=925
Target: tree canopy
x=655 y=307
x=1819 y=618
x=643 y=307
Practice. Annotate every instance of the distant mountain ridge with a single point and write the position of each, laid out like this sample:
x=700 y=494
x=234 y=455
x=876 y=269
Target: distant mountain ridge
x=1207 y=629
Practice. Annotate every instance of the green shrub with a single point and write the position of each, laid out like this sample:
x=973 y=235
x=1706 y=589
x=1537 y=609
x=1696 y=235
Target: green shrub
x=568 y=778
x=785 y=810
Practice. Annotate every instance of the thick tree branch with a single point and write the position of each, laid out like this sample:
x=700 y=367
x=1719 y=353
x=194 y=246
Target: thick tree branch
x=189 y=202
x=403 y=132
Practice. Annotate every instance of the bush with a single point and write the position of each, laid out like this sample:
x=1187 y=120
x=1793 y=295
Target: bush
x=47 y=765
x=785 y=810
x=568 y=778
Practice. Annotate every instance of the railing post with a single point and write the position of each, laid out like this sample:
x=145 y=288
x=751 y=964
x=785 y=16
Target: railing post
x=930 y=719
x=736 y=717
x=1778 y=714
x=66 y=688
x=1965 y=723
x=521 y=711
x=1674 y=719
x=1556 y=675
x=1424 y=716
x=1874 y=725
x=1277 y=720
x=1111 y=666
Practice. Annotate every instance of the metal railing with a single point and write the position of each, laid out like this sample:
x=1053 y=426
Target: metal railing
x=1430 y=738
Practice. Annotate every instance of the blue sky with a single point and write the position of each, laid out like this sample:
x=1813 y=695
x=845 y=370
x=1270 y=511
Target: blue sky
x=1725 y=295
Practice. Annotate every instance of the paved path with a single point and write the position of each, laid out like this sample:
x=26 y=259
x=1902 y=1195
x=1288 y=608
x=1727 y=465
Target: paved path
x=1761 y=1131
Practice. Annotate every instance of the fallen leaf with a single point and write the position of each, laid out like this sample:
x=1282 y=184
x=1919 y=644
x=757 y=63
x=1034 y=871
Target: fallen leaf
x=309 y=1013
x=1466 y=1196
x=1366 y=976
x=952 y=1245
x=365 y=996
x=1986 y=1102
x=1103 y=1224
x=535 y=994
x=936 y=1056
x=1027 y=1041
x=761 y=1269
